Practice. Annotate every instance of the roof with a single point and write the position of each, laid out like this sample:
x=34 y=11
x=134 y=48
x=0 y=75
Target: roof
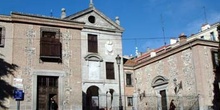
x=145 y=60
x=99 y=13
x=148 y=54
x=130 y=62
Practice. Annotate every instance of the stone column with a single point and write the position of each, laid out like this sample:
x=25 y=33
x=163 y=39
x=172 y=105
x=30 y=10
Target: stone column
x=180 y=101
x=159 y=102
x=102 y=100
x=135 y=101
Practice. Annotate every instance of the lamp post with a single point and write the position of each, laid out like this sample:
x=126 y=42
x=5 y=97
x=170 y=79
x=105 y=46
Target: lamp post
x=118 y=60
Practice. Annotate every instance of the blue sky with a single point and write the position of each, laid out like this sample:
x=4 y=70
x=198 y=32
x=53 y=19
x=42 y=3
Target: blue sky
x=142 y=20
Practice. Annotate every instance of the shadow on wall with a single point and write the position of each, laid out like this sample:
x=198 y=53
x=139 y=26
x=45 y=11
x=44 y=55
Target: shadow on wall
x=216 y=83
x=6 y=90
x=216 y=99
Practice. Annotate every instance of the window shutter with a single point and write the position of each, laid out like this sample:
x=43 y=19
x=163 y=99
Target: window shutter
x=50 y=45
x=92 y=43
x=128 y=79
x=110 y=70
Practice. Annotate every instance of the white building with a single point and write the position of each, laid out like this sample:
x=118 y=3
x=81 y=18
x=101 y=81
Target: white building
x=101 y=42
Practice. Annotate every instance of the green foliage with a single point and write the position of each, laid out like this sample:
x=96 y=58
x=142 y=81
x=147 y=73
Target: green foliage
x=6 y=90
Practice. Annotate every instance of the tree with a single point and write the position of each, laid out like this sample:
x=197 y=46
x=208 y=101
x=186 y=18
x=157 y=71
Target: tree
x=6 y=90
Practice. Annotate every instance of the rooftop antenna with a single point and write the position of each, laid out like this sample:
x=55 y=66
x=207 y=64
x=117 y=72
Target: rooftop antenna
x=162 y=25
x=51 y=13
x=206 y=21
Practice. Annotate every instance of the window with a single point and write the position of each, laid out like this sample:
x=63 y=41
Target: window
x=212 y=36
x=128 y=80
x=2 y=36
x=202 y=37
x=215 y=59
x=92 y=43
x=110 y=74
x=50 y=45
x=91 y=19
x=51 y=81
x=130 y=101
x=163 y=99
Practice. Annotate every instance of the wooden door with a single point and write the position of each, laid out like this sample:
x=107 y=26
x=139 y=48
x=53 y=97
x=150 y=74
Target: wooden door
x=163 y=99
x=47 y=87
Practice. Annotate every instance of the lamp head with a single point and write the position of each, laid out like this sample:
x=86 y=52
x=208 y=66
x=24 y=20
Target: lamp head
x=118 y=59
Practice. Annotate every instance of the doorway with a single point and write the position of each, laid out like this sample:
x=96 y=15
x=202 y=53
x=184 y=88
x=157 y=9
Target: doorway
x=47 y=88
x=92 y=98
x=163 y=99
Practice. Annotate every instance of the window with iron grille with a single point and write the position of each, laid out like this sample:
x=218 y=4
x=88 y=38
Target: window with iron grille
x=212 y=36
x=215 y=58
x=50 y=45
x=130 y=101
x=110 y=74
x=2 y=36
x=92 y=43
x=128 y=80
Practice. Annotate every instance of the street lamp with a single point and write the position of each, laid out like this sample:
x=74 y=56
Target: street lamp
x=118 y=60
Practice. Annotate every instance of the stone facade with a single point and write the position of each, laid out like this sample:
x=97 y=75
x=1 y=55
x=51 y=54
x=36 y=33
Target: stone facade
x=183 y=73
x=207 y=32
x=105 y=92
x=22 y=48
x=81 y=74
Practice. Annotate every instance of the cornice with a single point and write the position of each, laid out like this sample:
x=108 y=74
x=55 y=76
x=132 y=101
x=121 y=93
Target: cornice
x=42 y=20
x=175 y=50
x=5 y=18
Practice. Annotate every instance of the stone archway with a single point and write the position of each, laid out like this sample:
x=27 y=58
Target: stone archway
x=92 y=98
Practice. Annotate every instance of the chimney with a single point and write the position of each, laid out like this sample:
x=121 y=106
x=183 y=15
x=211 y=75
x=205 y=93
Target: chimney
x=205 y=26
x=173 y=41
x=117 y=20
x=182 y=38
x=153 y=54
x=63 y=13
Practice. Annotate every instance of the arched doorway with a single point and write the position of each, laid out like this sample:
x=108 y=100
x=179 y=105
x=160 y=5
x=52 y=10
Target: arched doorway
x=92 y=98
x=159 y=84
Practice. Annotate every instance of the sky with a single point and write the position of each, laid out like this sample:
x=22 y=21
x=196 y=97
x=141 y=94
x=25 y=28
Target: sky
x=148 y=24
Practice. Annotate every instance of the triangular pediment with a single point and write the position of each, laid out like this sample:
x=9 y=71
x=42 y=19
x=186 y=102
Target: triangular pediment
x=94 y=19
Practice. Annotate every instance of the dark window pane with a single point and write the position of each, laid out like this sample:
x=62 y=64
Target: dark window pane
x=41 y=81
x=163 y=99
x=92 y=43
x=2 y=36
x=110 y=70
x=130 y=101
x=128 y=79
x=215 y=59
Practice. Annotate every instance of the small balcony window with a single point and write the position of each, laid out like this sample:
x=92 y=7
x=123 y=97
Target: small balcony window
x=50 y=45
